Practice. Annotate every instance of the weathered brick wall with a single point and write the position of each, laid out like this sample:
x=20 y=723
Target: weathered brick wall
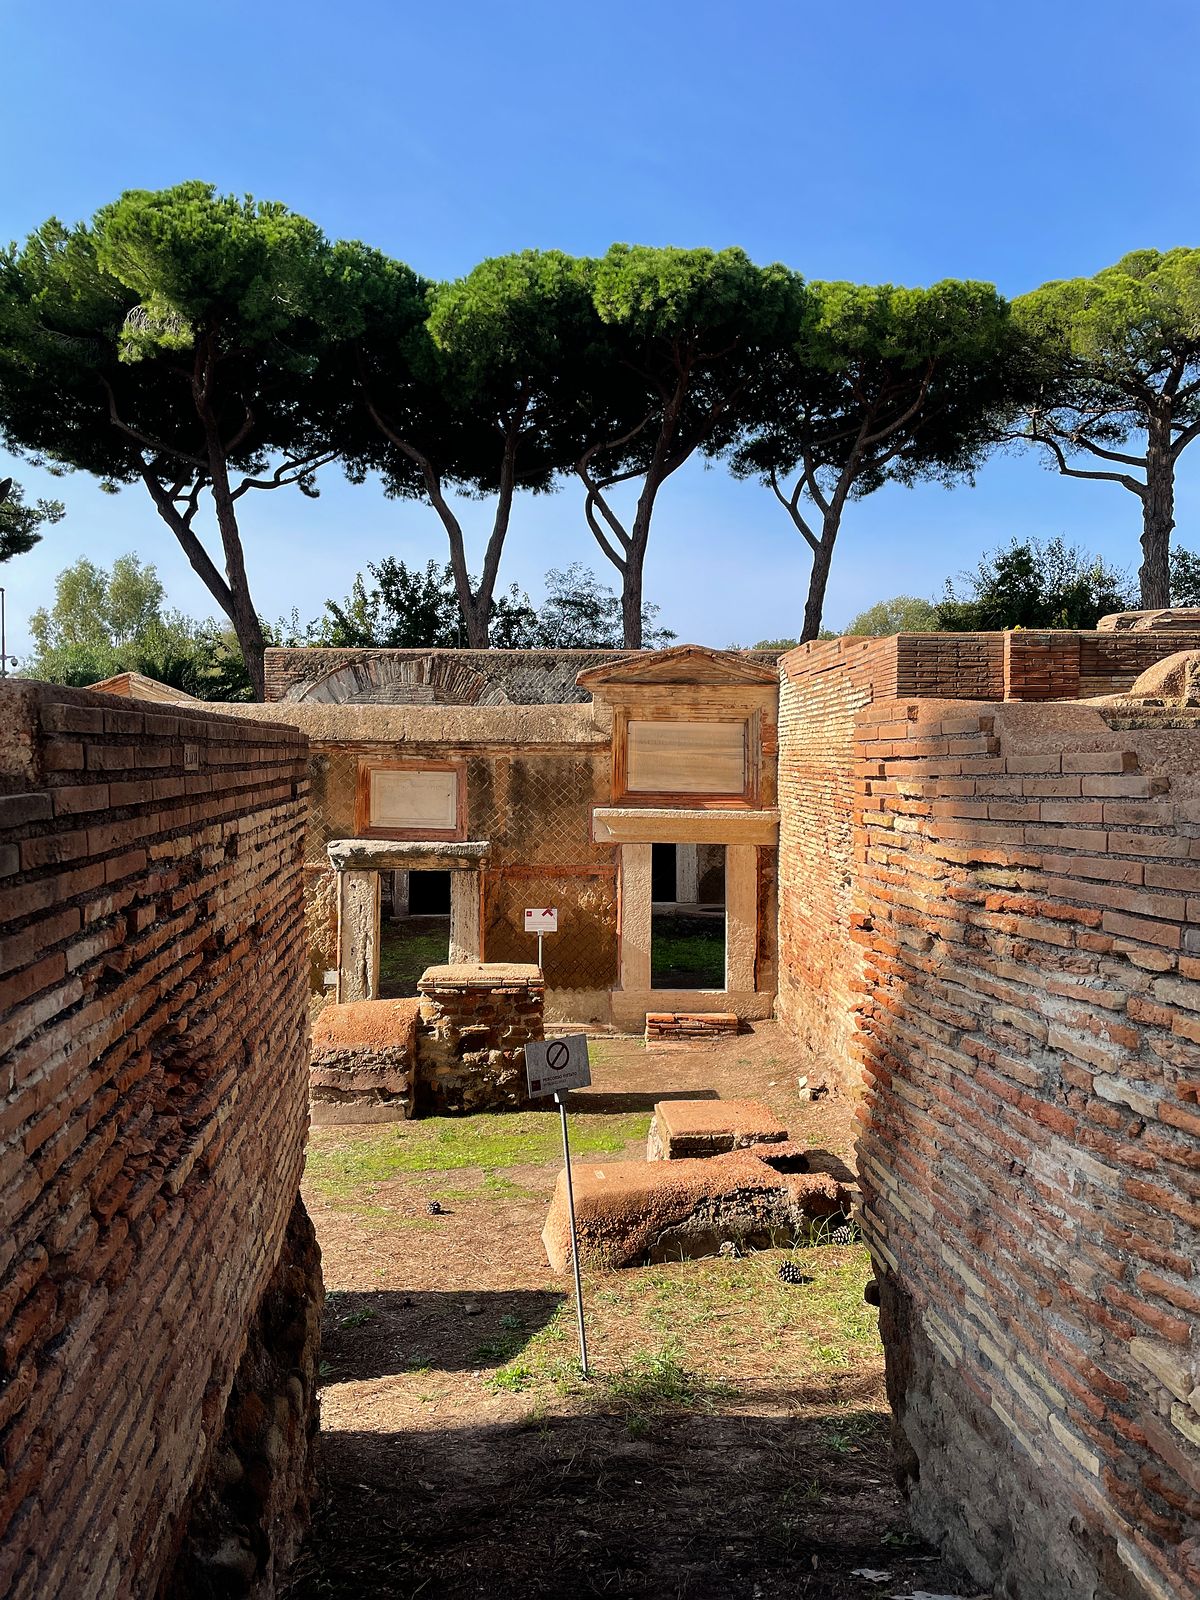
x=533 y=777
x=154 y=1066
x=476 y=1019
x=438 y=677
x=821 y=688
x=1028 y=889
x=1017 y=998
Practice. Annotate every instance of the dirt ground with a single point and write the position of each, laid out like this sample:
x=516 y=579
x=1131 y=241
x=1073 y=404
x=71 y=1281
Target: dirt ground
x=732 y=1440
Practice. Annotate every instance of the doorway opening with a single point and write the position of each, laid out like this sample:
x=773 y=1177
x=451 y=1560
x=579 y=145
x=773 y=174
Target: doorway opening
x=414 y=930
x=687 y=919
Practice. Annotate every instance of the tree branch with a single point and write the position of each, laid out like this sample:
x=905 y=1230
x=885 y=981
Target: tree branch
x=1056 y=450
x=791 y=504
x=147 y=443
x=288 y=472
x=181 y=526
x=595 y=499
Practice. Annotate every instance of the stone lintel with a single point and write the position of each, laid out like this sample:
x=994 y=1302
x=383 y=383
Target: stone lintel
x=660 y=825
x=407 y=855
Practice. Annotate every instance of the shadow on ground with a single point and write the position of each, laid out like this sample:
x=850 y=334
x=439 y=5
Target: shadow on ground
x=614 y=1105
x=680 y=1507
x=384 y=1332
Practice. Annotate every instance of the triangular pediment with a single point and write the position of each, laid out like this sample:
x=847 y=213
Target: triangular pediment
x=682 y=664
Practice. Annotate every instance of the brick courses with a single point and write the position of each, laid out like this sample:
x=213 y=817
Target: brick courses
x=989 y=919
x=153 y=1059
x=689 y=1027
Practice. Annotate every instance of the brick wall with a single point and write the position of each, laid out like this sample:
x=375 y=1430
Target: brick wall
x=1028 y=886
x=533 y=775
x=438 y=677
x=1019 y=1004
x=821 y=688
x=154 y=1066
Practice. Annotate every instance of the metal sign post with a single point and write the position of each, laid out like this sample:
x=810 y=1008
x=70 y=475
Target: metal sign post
x=583 y=1360
x=553 y=1066
x=541 y=920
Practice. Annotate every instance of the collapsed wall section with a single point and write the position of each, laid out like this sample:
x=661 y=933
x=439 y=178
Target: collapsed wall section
x=1026 y=896
x=153 y=1058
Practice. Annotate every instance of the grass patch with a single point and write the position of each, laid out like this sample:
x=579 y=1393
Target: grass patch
x=687 y=952
x=658 y=1380
x=404 y=955
x=693 y=1333
x=488 y=1143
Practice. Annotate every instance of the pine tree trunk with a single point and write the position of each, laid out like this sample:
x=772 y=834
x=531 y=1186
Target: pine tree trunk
x=631 y=601
x=1158 y=520
x=241 y=612
x=814 y=606
x=475 y=618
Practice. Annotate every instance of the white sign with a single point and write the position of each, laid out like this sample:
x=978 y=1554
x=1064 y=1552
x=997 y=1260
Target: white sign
x=538 y=920
x=552 y=1066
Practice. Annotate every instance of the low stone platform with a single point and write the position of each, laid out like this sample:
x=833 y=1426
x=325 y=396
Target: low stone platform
x=688 y=1027
x=476 y=1019
x=364 y=1061
x=632 y=1213
x=686 y=1128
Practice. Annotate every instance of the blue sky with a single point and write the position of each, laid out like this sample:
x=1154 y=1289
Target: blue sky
x=1010 y=142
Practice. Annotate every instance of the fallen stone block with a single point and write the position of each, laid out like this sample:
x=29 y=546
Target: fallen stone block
x=632 y=1213
x=364 y=1056
x=687 y=1128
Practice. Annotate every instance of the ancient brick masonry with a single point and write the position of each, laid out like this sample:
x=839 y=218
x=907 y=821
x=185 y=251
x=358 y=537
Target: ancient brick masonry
x=154 y=1066
x=1025 y=1012
x=476 y=1019
x=687 y=1027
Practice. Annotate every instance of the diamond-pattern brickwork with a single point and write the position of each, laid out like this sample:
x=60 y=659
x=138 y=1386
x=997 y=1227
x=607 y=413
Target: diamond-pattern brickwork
x=333 y=781
x=583 y=953
x=536 y=809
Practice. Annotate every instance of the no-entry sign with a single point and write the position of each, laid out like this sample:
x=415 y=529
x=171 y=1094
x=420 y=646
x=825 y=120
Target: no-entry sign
x=540 y=919
x=552 y=1066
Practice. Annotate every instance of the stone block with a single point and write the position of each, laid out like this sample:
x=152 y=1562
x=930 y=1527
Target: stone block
x=682 y=1129
x=364 y=1056
x=631 y=1213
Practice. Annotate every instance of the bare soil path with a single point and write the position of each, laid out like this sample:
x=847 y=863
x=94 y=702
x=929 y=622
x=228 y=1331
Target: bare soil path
x=732 y=1442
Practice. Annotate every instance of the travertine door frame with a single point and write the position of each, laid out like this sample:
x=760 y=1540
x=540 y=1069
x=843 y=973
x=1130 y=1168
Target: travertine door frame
x=741 y=914
x=359 y=863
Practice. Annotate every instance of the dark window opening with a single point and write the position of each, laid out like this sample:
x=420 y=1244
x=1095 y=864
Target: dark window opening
x=429 y=894
x=662 y=872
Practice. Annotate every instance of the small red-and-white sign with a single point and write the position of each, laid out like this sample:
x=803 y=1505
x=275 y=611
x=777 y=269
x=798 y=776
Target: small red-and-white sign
x=541 y=919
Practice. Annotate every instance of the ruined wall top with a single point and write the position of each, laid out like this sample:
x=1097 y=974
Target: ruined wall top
x=441 y=677
x=1018 y=664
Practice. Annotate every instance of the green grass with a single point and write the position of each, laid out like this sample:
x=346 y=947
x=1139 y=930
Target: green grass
x=404 y=956
x=655 y=1380
x=687 y=952
x=689 y=1334
x=488 y=1143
